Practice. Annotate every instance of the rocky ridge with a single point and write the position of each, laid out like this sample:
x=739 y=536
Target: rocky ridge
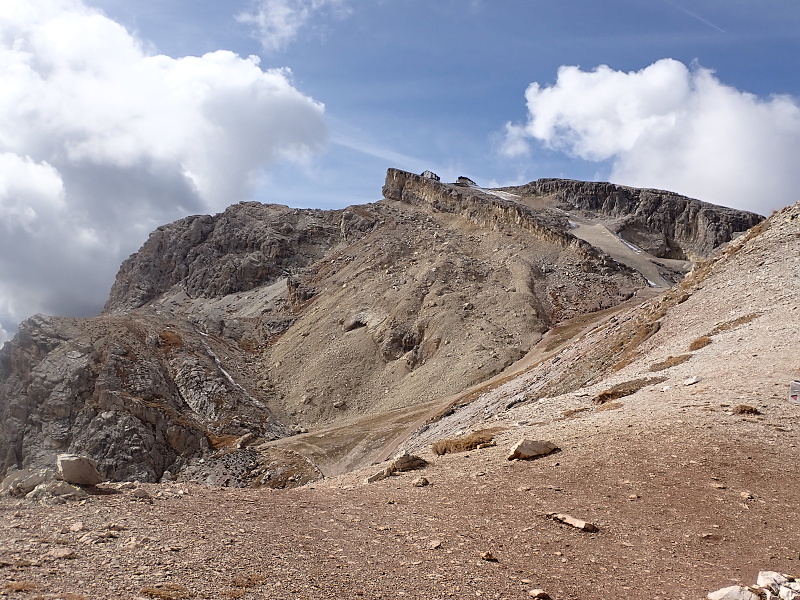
x=681 y=226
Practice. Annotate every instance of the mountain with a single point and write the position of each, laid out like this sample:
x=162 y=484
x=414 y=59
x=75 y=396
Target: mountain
x=671 y=411
x=267 y=345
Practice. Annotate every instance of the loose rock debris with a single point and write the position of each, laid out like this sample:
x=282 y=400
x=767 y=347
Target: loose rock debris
x=573 y=522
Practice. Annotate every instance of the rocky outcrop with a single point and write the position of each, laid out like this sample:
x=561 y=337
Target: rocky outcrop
x=130 y=392
x=481 y=208
x=770 y=585
x=663 y=223
x=248 y=245
x=687 y=227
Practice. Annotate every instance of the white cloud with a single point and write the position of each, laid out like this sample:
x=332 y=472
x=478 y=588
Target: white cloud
x=278 y=22
x=101 y=141
x=672 y=127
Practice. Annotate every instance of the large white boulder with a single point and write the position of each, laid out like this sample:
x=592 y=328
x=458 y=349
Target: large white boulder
x=80 y=470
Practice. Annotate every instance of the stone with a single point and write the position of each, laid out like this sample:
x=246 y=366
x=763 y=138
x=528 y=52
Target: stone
x=787 y=593
x=80 y=470
x=573 y=522
x=526 y=449
x=141 y=494
x=538 y=593
x=733 y=592
x=420 y=482
x=488 y=557
x=56 y=490
x=408 y=462
x=61 y=553
x=692 y=380
x=794 y=391
x=434 y=544
x=22 y=482
x=382 y=474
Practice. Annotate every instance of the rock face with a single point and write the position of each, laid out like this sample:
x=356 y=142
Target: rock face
x=248 y=245
x=266 y=320
x=681 y=226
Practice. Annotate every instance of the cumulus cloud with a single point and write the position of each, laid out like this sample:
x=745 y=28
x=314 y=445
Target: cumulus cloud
x=672 y=127
x=101 y=141
x=278 y=22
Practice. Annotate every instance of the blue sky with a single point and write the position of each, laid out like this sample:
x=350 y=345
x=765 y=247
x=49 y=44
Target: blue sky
x=431 y=85
x=119 y=116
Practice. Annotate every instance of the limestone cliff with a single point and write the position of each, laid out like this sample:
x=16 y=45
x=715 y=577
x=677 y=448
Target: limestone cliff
x=686 y=227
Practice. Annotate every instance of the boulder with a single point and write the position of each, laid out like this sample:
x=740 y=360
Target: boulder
x=80 y=470
x=733 y=592
x=408 y=462
x=529 y=449
x=60 y=490
x=771 y=580
x=22 y=482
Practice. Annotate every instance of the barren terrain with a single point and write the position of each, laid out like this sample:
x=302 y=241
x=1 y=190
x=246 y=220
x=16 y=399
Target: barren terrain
x=692 y=478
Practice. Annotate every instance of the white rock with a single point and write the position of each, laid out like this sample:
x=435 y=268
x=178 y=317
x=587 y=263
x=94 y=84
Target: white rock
x=58 y=489
x=771 y=580
x=20 y=483
x=734 y=592
x=692 y=380
x=80 y=470
x=787 y=593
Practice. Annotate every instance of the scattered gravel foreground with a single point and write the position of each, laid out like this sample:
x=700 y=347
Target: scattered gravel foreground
x=678 y=516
